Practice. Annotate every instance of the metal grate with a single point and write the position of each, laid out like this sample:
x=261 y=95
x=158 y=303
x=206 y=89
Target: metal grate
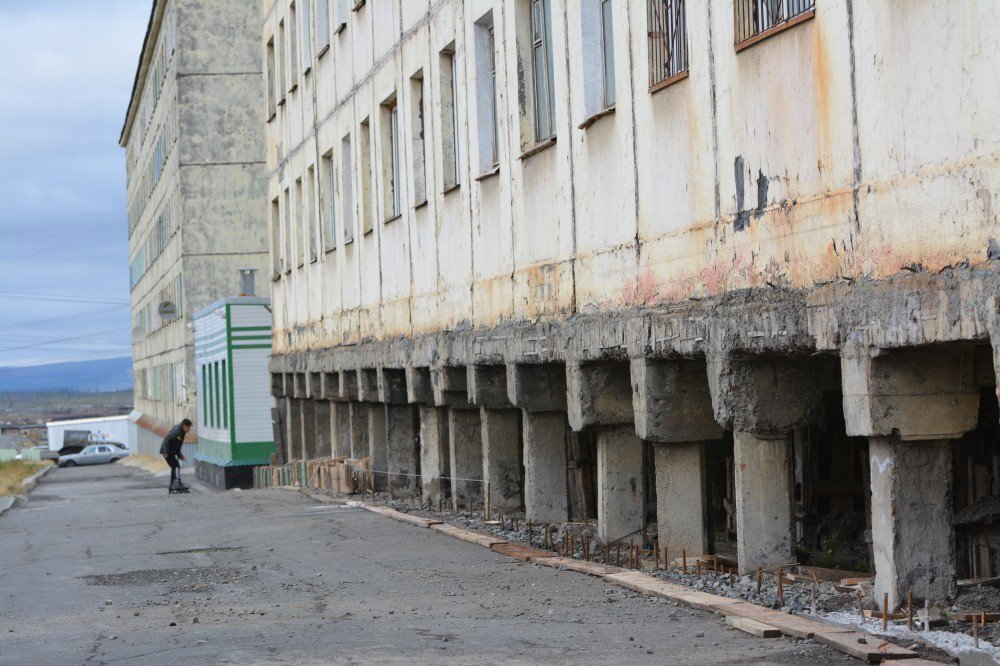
x=668 y=53
x=754 y=17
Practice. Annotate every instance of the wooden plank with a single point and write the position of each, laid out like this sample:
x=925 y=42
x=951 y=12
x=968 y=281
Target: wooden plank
x=399 y=515
x=753 y=627
x=856 y=580
x=877 y=614
x=831 y=575
x=519 y=551
x=864 y=646
x=466 y=535
x=968 y=616
x=581 y=566
x=972 y=582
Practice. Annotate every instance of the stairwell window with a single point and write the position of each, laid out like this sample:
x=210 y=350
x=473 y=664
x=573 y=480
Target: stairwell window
x=328 y=201
x=418 y=143
x=275 y=239
x=347 y=171
x=450 y=157
x=486 y=94
x=608 y=52
x=756 y=20
x=310 y=212
x=293 y=49
x=542 y=68
x=597 y=18
x=272 y=96
x=668 y=53
x=365 y=165
x=306 y=33
x=390 y=158
x=322 y=25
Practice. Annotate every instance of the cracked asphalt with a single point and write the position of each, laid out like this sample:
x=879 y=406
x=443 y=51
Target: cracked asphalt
x=101 y=566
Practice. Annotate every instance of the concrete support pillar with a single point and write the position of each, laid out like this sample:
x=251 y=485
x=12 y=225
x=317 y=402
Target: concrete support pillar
x=763 y=500
x=324 y=441
x=502 y=457
x=284 y=454
x=545 y=493
x=621 y=494
x=359 y=429
x=378 y=444
x=401 y=459
x=294 y=429
x=434 y=453
x=466 y=456
x=341 y=417
x=912 y=534
x=681 y=504
x=308 y=428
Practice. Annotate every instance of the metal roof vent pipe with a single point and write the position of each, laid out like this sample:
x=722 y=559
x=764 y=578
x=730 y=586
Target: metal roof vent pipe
x=246 y=281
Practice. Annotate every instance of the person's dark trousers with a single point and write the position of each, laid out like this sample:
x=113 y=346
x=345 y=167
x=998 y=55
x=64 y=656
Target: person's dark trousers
x=175 y=470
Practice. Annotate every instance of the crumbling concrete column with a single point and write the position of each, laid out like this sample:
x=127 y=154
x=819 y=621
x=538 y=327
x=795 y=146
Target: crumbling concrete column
x=378 y=443
x=402 y=461
x=912 y=535
x=681 y=503
x=435 y=466
x=341 y=418
x=763 y=500
x=673 y=409
x=359 y=429
x=546 y=498
x=308 y=407
x=466 y=457
x=323 y=428
x=501 y=433
x=621 y=495
x=910 y=403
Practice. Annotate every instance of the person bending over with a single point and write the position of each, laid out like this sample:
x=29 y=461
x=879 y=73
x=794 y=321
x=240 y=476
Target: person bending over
x=170 y=449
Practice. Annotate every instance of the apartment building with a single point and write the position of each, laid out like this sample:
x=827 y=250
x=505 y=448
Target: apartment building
x=725 y=272
x=194 y=158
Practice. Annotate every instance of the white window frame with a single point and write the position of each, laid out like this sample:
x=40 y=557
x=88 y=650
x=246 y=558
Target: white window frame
x=542 y=69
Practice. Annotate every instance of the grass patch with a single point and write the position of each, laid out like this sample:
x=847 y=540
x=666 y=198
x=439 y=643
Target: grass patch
x=14 y=472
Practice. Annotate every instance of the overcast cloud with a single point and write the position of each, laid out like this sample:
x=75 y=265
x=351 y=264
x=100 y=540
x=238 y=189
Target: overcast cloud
x=66 y=71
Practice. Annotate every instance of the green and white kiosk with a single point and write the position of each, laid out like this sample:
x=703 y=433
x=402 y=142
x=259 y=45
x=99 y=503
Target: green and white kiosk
x=232 y=346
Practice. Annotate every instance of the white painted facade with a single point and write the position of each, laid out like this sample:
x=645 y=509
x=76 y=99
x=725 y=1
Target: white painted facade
x=109 y=428
x=852 y=144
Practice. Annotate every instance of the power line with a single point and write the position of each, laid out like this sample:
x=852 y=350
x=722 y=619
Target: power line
x=66 y=298
x=54 y=320
x=75 y=213
x=61 y=263
x=78 y=337
x=67 y=241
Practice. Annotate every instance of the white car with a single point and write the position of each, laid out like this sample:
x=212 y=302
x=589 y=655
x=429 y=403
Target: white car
x=95 y=454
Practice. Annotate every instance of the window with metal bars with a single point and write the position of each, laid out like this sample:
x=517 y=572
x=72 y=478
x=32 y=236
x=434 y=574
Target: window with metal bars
x=758 y=19
x=668 y=51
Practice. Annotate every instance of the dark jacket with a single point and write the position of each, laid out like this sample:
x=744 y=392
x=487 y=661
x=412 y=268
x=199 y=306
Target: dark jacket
x=171 y=445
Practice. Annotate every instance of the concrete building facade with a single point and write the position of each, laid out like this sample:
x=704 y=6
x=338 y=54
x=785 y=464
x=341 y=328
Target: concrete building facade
x=725 y=270
x=196 y=190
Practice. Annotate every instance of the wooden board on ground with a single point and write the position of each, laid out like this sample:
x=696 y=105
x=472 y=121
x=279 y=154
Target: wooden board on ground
x=465 y=535
x=973 y=582
x=831 y=575
x=968 y=616
x=400 y=516
x=864 y=646
x=877 y=614
x=753 y=627
x=856 y=580
x=519 y=551
x=582 y=566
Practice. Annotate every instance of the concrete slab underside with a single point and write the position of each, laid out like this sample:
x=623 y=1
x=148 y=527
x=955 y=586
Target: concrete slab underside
x=447 y=606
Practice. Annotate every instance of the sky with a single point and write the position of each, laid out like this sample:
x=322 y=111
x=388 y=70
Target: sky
x=66 y=72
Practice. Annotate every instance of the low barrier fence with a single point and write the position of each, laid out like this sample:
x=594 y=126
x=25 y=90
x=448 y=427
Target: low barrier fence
x=342 y=475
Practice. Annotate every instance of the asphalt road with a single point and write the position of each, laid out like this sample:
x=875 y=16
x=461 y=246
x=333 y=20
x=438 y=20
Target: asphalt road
x=101 y=566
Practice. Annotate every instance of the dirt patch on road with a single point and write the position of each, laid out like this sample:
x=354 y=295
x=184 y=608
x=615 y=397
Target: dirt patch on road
x=195 y=579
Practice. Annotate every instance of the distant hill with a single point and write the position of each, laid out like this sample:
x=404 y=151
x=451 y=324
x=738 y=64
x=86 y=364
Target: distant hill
x=88 y=376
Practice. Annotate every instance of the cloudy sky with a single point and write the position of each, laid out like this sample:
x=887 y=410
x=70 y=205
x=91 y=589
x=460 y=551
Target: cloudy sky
x=66 y=71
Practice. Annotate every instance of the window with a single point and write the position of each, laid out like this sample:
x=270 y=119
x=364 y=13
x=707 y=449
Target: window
x=342 y=10
x=322 y=25
x=541 y=66
x=204 y=394
x=310 y=212
x=608 y=52
x=216 y=408
x=298 y=223
x=347 y=173
x=286 y=257
x=272 y=97
x=758 y=19
x=486 y=94
x=449 y=117
x=668 y=57
x=293 y=49
x=390 y=158
x=275 y=238
x=327 y=201
x=419 y=145
x=282 y=73
x=306 y=33
x=225 y=395
x=365 y=163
